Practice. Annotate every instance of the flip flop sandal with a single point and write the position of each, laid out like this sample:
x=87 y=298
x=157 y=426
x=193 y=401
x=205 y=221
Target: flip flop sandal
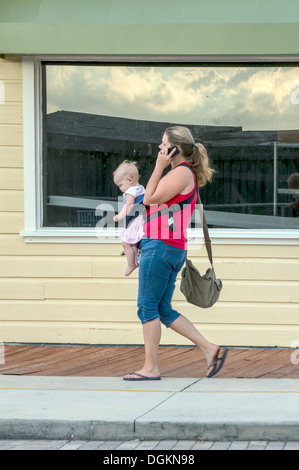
x=140 y=377
x=219 y=360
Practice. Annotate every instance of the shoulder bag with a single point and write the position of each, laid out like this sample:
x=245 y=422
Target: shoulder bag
x=201 y=290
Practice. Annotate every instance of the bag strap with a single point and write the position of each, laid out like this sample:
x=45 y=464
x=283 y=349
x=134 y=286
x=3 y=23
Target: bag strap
x=204 y=222
x=206 y=231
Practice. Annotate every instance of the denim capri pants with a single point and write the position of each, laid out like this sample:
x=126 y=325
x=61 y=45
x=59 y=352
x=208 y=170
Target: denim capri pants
x=159 y=266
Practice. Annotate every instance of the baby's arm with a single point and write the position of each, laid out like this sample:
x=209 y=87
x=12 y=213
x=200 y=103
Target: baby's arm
x=130 y=200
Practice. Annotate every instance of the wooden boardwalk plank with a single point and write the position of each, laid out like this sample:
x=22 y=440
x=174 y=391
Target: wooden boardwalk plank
x=115 y=361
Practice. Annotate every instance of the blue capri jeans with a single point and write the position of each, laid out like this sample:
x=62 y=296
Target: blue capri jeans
x=158 y=269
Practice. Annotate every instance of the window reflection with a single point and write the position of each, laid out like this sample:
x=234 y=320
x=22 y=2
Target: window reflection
x=96 y=116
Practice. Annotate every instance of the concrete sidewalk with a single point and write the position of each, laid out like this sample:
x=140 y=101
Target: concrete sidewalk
x=105 y=408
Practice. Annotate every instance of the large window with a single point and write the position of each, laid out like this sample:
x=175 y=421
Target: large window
x=95 y=116
x=82 y=119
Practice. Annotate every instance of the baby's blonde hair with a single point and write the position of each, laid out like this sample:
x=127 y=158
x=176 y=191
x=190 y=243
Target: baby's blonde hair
x=127 y=169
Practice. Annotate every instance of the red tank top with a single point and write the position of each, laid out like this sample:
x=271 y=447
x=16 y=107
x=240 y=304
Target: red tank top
x=169 y=221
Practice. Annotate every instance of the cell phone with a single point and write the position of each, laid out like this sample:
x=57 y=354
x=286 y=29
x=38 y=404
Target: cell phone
x=171 y=149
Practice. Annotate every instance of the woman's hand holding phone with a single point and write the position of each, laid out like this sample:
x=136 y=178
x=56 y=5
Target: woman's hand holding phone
x=165 y=155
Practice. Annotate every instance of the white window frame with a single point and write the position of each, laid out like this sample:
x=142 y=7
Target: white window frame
x=32 y=145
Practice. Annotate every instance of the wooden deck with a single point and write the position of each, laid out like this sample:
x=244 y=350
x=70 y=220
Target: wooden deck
x=115 y=361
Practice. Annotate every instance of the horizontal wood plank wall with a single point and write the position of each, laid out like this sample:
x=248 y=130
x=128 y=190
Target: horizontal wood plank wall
x=76 y=293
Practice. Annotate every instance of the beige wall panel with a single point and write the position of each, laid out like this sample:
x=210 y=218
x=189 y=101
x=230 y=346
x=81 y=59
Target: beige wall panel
x=251 y=251
x=11 y=222
x=11 y=157
x=236 y=335
x=241 y=313
x=124 y=333
x=114 y=266
x=103 y=289
x=11 y=201
x=120 y=334
x=11 y=134
x=111 y=267
x=21 y=289
x=126 y=289
x=119 y=311
x=257 y=269
x=11 y=113
x=260 y=291
x=47 y=332
x=11 y=178
x=10 y=68
x=238 y=268
x=13 y=90
x=14 y=244
x=69 y=311
x=222 y=251
x=47 y=266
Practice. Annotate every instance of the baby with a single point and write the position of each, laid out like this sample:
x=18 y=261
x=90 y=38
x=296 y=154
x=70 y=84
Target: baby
x=126 y=177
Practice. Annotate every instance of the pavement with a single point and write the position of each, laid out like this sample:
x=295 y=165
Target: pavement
x=111 y=409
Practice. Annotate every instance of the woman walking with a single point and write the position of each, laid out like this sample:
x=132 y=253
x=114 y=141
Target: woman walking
x=163 y=249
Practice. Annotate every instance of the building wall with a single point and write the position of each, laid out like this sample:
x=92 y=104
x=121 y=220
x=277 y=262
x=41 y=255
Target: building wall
x=76 y=293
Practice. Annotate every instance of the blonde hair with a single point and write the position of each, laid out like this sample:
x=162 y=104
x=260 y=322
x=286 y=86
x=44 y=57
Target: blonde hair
x=195 y=153
x=127 y=169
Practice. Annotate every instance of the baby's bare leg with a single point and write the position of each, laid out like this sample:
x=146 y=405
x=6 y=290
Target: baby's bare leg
x=131 y=254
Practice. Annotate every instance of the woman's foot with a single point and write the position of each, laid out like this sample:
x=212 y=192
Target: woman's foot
x=211 y=357
x=217 y=363
x=136 y=377
x=143 y=374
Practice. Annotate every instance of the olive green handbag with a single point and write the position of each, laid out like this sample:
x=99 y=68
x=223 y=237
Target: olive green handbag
x=201 y=290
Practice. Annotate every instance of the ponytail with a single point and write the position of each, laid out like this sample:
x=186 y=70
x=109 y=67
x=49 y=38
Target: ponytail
x=200 y=163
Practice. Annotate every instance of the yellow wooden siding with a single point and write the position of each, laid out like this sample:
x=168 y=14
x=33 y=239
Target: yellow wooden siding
x=76 y=293
x=11 y=157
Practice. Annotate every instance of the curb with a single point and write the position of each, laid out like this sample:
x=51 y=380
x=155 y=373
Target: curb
x=108 y=431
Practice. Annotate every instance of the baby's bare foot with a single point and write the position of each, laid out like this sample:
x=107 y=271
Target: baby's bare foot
x=130 y=269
